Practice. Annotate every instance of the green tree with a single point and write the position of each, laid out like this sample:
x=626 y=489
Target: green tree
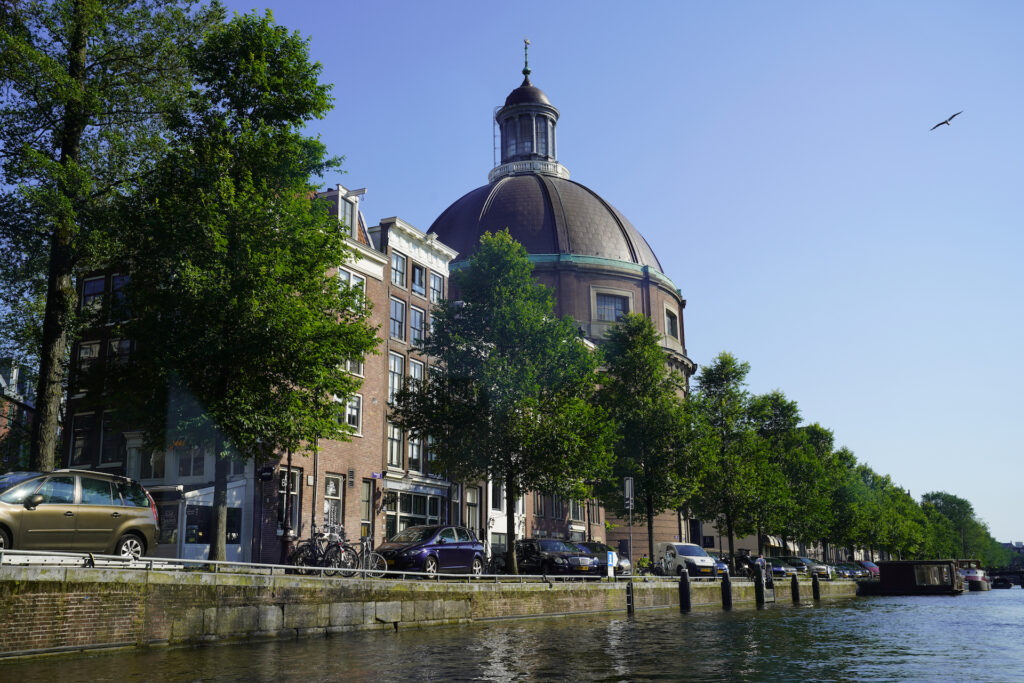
x=83 y=85
x=958 y=511
x=242 y=331
x=728 y=480
x=512 y=399
x=644 y=398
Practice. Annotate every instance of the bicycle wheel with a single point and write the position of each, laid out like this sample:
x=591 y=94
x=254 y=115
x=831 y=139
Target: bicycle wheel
x=376 y=565
x=332 y=560
x=345 y=560
x=303 y=557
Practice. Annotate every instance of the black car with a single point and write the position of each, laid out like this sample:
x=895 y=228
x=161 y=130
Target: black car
x=551 y=556
x=433 y=549
x=600 y=551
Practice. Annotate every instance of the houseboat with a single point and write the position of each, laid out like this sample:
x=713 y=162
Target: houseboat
x=973 y=575
x=915 y=577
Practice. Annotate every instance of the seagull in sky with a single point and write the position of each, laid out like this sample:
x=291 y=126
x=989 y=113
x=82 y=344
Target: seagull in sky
x=946 y=122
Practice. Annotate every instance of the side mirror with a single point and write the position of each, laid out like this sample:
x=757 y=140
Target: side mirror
x=32 y=501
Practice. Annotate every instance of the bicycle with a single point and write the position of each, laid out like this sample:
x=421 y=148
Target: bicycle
x=325 y=549
x=370 y=564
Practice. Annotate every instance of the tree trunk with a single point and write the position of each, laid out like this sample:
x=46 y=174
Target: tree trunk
x=510 y=525
x=219 y=518
x=60 y=291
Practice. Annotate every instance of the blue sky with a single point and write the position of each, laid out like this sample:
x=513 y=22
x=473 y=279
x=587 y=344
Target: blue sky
x=778 y=158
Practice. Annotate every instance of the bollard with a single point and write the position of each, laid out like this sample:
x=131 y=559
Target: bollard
x=769 y=577
x=759 y=589
x=795 y=588
x=684 y=591
x=816 y=587
x=629 y=597
x=726 y=592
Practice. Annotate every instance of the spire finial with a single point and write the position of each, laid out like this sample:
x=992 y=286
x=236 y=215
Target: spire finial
x=526 y=59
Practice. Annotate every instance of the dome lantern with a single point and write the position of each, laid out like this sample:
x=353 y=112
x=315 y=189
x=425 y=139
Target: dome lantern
x=527 y=124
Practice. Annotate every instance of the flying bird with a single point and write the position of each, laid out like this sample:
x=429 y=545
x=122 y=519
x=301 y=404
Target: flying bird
x=946 y=122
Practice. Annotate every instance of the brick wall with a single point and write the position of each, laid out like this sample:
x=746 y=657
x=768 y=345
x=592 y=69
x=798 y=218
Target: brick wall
x=54 y=609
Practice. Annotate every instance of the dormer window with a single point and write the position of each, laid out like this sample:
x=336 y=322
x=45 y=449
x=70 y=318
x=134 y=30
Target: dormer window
x=348 y=210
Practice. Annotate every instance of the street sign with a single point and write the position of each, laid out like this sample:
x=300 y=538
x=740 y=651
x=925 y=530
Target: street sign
x=375 y=475
x=628 y=492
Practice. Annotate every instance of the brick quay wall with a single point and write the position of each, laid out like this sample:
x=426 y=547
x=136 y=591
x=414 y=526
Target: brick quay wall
x=64 y=609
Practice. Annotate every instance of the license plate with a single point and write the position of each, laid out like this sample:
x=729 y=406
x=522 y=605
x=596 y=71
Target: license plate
x=583 y=569
x=390 y=562
x=705 y=571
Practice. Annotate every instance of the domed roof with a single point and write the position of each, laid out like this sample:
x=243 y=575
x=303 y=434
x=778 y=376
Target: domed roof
x=547 y=215
x=527 y=93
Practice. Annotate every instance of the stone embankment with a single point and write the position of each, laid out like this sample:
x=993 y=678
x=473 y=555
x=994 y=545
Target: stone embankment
x=56 y=609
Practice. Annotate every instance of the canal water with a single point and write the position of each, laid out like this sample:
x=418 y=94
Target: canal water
x=973 y=637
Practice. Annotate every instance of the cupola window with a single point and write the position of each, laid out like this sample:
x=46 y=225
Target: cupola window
x=510 y=138
x=525 y=134
x=542 y=135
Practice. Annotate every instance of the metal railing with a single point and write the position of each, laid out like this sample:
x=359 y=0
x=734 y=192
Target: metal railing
x=27 y=558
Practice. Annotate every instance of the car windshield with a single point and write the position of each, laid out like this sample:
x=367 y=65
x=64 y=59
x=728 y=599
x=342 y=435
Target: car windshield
x=11 y=478
x=414 y=534
x=690 y=550
x=868 y=564
x=554 y=547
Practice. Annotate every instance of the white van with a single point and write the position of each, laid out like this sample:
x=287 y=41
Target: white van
x=674 y=556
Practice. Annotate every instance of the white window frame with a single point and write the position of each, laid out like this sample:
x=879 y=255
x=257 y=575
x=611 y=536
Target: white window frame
x=422 y=289
x=396 y=374
x=402 y=306
x=399 y=269
x=436 y=293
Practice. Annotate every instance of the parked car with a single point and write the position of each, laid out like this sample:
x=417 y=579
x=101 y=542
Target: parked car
x=781 y=569
x=721 y=566
x=849 y=570
x=870 y=566
x=76 y=511
x=600 y=550
x=552 y=556
x=812 y=567
x=674 y=556
x=435 y=549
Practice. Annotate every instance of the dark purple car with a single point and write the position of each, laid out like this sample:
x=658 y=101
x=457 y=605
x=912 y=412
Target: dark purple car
x=434 y=549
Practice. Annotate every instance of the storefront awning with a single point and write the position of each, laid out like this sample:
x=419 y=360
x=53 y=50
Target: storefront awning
x=774 y=541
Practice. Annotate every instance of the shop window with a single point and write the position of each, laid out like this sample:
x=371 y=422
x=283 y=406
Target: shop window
x=289 y=485
x=199 y=525
x=366 y=508
x=334 y=486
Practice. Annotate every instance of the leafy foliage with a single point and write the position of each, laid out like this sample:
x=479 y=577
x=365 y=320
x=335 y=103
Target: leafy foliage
x=230 y=254
x=84 y=85
x=644 y=398
x=512 y=398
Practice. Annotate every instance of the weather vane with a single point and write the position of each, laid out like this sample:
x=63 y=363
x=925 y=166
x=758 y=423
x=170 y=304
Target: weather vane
x=526 y=57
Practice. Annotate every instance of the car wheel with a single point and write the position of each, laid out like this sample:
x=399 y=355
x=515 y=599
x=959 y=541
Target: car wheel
x=130 y=545
x=5 y=540
x=478 y=567
x=430 y=565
